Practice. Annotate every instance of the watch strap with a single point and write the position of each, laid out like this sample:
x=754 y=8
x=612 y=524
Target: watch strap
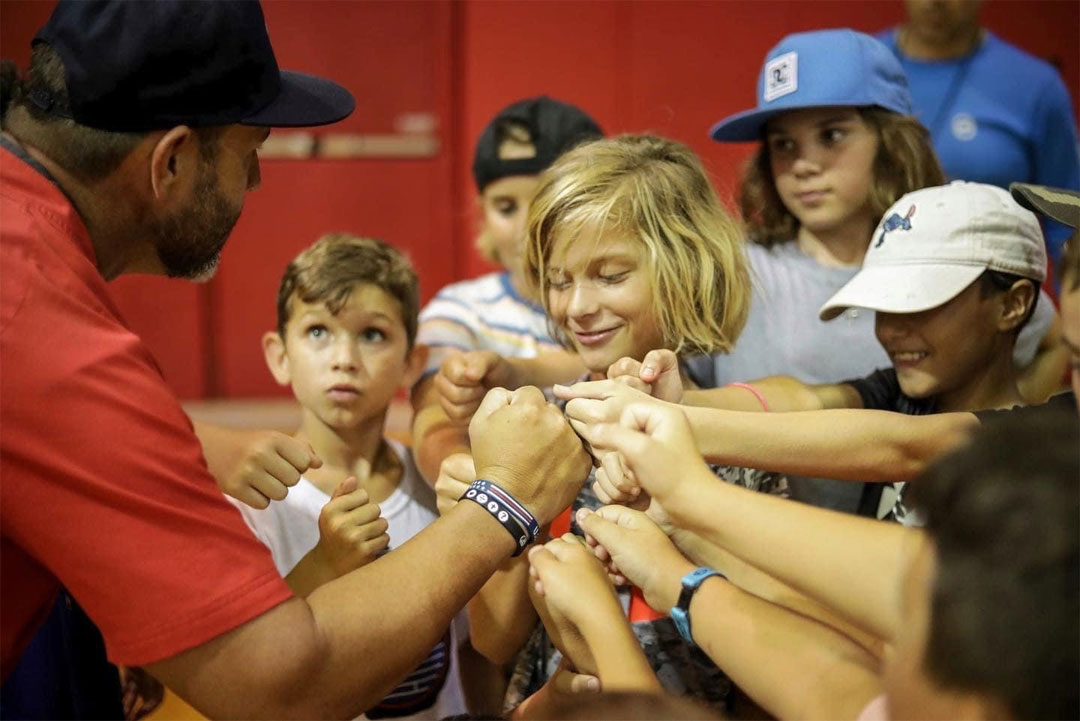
x=680 y=612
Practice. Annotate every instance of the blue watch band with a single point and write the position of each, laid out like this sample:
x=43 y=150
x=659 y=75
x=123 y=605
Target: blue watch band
x=680 y=612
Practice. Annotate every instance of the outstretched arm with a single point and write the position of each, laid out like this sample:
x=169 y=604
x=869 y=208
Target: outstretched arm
x=584 y=618
x=434 y=435
x=312 y=657
x=844 y=443
x=852 y=565
x=791 y=665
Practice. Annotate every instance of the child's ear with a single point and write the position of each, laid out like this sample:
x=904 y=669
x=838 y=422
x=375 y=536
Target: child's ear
x=415 y=362
x=1015 y=304
x=276 y=359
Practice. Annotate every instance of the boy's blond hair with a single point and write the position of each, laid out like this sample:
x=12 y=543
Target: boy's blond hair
x=330 y=270
x=653 y=190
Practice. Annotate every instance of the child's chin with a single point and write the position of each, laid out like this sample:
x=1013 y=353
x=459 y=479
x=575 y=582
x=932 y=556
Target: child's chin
x=917 y=385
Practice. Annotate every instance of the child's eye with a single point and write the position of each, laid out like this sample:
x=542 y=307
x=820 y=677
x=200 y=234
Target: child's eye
x=833 y=135
x=506 y=208
x=374 y=335
x=614 y=277
x=316 y=332
x=782 y=145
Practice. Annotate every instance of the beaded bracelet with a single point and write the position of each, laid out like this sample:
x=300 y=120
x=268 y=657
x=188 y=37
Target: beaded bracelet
x=514 y=517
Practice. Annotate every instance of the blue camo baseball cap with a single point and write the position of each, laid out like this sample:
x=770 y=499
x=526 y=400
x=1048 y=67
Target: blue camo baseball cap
x=821 y=69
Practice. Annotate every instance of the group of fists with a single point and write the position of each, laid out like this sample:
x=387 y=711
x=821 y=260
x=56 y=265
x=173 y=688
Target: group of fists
x=645 y=457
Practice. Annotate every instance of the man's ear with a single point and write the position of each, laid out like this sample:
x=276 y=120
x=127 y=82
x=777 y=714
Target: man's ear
x=415 y=362
x=172 y=159
x=1015 y=303
x=276 y=358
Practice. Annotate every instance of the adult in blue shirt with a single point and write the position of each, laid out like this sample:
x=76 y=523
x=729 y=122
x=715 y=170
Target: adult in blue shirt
x=995 y=113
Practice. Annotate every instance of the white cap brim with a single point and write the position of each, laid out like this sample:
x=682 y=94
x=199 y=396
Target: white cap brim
x=902 y=288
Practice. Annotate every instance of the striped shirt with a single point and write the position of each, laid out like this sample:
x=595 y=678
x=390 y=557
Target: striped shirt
x=484 y=313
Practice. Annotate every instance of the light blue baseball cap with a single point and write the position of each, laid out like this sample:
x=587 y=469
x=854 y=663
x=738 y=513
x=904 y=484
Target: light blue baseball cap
x=821 y=69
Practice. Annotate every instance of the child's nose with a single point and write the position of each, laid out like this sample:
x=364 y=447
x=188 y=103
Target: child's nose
x=890 y=326
x=582 y=301
x=807 y=163
x=345 y=356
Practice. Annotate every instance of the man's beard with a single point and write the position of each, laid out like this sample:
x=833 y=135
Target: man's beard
x=189 y=242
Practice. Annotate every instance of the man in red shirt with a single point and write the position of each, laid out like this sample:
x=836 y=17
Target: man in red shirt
x=130 y=148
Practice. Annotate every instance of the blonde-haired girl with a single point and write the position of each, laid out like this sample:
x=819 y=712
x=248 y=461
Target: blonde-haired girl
x=630 y=250
x=646 y=202
x=495 y=313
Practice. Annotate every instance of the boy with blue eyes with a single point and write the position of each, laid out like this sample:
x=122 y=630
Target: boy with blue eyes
x=345 y=342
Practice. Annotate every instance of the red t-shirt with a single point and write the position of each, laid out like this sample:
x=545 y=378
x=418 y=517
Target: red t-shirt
x=103 y=486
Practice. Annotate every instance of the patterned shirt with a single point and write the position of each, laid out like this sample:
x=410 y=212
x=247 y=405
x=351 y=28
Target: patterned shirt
x=484 y=313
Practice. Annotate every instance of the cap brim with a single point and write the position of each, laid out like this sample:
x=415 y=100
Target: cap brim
x=1057 y=203
x=749 y=125
x=744 y=127
x=305 y=100
x=909 y=288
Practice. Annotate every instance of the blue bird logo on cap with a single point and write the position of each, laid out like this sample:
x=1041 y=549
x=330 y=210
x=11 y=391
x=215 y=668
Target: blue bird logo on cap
x=895 y=222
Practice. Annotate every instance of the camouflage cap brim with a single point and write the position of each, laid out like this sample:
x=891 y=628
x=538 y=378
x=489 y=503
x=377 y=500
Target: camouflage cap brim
x=1057 y=203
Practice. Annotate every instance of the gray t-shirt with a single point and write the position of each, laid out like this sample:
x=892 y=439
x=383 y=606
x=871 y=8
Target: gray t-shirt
x=784 y=336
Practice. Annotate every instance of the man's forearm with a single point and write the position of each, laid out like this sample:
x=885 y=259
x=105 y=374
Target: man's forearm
x=342 y=649
x=846 y=444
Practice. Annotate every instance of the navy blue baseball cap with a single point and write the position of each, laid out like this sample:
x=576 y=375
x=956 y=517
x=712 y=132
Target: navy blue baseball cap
x=821 y=69
x=139 y=66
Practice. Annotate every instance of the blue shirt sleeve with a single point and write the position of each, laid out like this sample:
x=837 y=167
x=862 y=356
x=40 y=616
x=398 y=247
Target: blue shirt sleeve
x=1056 y=156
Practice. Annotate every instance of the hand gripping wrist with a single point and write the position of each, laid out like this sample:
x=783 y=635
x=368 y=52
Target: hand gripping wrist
x=506 y=509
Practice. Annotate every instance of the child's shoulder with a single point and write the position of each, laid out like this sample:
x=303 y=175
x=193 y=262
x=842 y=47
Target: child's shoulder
x=488 y=288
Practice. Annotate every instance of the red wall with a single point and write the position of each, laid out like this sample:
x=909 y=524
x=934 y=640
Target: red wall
x=669 y=67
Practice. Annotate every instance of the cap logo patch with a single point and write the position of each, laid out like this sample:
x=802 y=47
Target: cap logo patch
x=895 y=222
x=781 y=76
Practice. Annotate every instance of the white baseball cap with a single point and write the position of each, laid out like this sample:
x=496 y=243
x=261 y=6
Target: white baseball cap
x=933 y=243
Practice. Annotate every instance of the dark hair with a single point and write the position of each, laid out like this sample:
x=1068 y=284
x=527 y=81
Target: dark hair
x=85 y=152
x=1004 y=517
x=905 y=162
x=995 y=281
x=329 y=271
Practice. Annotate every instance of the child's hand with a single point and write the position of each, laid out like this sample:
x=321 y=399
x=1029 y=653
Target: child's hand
x=559 y=690
x=351 y=531
x=591 y=402
x=575 y=599
x=659 y=370
x=267 y=466
x=464 y=378
x=656 y=445
x=456 y=473
x=638 y=551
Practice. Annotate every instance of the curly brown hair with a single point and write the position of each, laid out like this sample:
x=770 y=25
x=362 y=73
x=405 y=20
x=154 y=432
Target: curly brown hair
x=905 y=162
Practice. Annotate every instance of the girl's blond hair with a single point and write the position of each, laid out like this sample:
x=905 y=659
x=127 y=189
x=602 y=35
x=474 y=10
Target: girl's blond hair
x=656 y=191
x=905 y=161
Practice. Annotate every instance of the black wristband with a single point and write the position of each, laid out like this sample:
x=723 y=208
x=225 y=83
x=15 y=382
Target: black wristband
x=481 y=496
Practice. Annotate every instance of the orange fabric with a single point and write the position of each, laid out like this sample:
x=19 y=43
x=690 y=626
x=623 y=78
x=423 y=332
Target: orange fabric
x=639 y=610
x=561 y=524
